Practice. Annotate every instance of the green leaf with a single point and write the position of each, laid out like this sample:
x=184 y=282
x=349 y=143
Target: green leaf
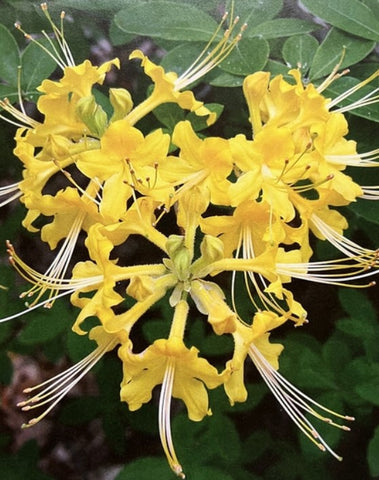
x=200 y=122
x=9 y=58
x=36 y=67
x=250 y=55
x=372 y=454
x=282 y=27
x=208 y=438
x=94 y=5
x=255 y=12
x=42 y=327
x=167 y=20
x=336 y=354
x=370 y=391
x=338 y=44
x=226 y=80
x=365 y=208
x=78 y=346
x=356 y=304
x=80 y=410
x=299 y=51
x=352 y=16
x=146 y=468
x=10 y=92
x=255 y=445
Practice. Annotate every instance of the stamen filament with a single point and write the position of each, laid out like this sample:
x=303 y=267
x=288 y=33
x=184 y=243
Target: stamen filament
x=293 y=401
x=164 y=420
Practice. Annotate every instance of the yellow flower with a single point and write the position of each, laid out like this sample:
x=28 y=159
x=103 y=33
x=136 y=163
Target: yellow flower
x=168 y=86
x=202 y=163
x=59 y=99
x=180 y=371
x=127 y=162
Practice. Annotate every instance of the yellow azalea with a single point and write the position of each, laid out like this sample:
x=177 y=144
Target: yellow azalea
x=310 y=146
x=202 y=163
x=59 y=100
x=280 y=103
x=126 y=163
x=254 y=226
x=169 y=86
x=254 y=342
x=180 y=371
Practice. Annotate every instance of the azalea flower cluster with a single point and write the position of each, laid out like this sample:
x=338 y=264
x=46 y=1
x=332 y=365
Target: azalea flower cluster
x=244 y=205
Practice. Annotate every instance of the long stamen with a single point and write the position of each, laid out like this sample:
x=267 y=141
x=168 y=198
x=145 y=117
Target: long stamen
x=370 y=192
x=353 y=268
x=52 y=279
x=366 y=159
x=267 y=300
x=343 y=244
x=359 y=103
x=22 y=120
x=57 y=387
x=8 y=190
x=207 y=61
x=165 y=421
x=295 y=402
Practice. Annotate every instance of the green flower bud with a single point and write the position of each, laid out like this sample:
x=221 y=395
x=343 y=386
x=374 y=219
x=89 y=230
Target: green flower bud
x=121 y=102
x=92 y=115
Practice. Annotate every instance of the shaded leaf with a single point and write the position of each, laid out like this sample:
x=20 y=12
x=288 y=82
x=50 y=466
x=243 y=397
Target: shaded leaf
x=372 y=454
x=42 y=328
x=145 y=469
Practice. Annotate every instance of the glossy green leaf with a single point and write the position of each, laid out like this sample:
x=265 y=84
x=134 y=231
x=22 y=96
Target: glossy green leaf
x=226 y=80
x=282 y=27
x=298 y=51
x=167 y=20
x=352 y=16
x=94 y=5
x=338 y=45
x=255 y=12
x=9 y=58
x=372 y=454
x=250 y=55
x=36 y=67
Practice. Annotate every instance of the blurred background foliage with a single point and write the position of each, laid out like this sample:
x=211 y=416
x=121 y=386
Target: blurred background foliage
x=334 y=359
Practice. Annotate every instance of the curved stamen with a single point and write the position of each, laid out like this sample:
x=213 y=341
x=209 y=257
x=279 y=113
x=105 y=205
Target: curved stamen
x=366 y=159
x=343 y=244
x=296 y=402
x=370 y=192
x=165 y=421
x=56 y=388
x=8 y=190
